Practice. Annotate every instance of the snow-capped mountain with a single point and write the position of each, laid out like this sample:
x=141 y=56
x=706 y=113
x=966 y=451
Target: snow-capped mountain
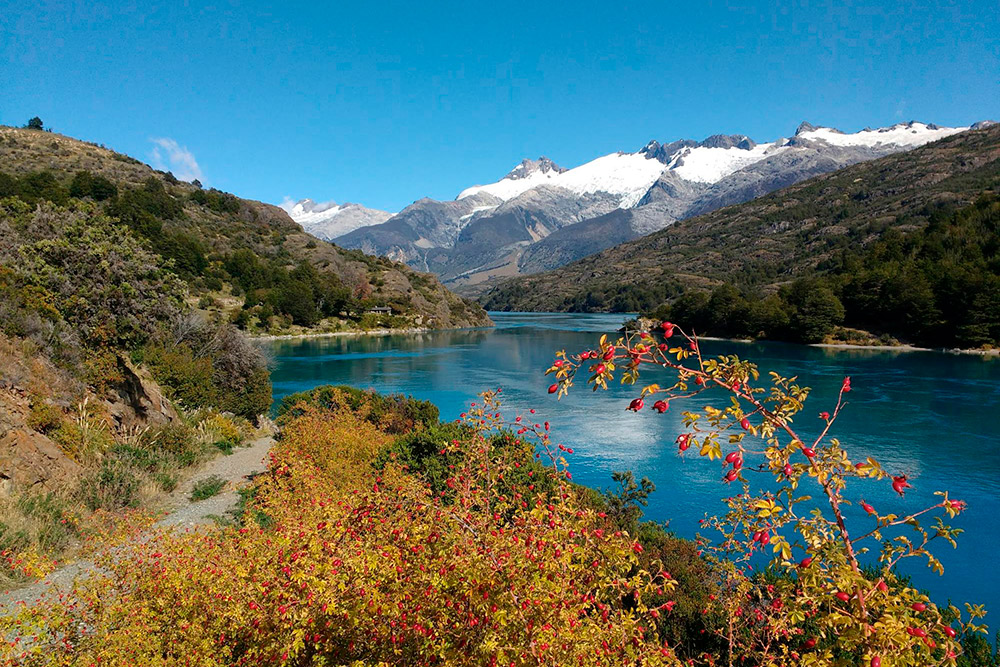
x=328 y=220
x=541 y=215
x=630 y=175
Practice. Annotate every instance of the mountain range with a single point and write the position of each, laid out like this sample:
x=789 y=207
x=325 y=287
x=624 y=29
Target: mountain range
x=541 y=216
x=803 y=230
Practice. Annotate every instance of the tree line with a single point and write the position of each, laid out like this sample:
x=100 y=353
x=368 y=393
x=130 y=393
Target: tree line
x=936 y=286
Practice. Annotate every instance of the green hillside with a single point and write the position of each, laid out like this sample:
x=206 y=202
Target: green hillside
x=243 y=257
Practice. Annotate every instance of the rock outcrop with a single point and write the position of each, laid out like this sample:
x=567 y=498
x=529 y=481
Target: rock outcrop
x=30 y=461
x=142 y=400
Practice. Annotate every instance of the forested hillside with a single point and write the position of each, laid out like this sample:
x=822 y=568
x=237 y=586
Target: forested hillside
x=905 y=245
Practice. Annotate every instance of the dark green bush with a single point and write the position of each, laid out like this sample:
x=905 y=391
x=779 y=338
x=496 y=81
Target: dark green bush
x=178 y=440
x=207 y=487
x=113 y=486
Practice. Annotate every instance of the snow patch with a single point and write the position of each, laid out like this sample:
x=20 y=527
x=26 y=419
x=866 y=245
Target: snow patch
x=477 y=209
x=702 y=164
x=329 y=220
x=904 y=134
x=627 y=175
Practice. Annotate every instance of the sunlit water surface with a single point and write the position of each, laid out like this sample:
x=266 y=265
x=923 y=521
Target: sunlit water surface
x=933 y=416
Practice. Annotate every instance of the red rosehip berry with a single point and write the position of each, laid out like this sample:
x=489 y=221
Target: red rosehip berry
x=918 y=606
x=683 y=441
x=745 y=423
x=868 y=508
x=553 y=388
x=732 y=475
x=876 y=661
x=883 y=587
x=806 y=562
x=699 y=380
x=635 y=405
x=809 y=643
x=732 y=457
x=847 y=384
x=609 y=354
x=600 y=368
x=809 y=452
x=950 y=631
x=843 y=597
x=661 y=406
x=788 y=470
x=765 y=538
x=824 y=416
x=899 y=484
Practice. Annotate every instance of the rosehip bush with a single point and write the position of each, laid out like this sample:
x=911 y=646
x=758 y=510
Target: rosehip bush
x=812 y=604
x=502 y=562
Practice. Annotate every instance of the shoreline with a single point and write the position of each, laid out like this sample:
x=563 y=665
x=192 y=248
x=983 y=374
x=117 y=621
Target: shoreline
x=901 y=347
x=333 y=334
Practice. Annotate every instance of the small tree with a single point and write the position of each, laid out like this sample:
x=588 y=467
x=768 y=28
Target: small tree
x=35 y=124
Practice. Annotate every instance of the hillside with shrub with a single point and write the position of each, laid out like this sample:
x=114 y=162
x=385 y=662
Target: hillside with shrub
x=904 y=246
x=243 y=258
x=112 y=388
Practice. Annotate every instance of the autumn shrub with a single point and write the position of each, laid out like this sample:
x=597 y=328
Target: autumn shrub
x=814 y=604
x=85 y=433
x=209 y=364
x=365 y=566
x=43 y=417
x=186 y=377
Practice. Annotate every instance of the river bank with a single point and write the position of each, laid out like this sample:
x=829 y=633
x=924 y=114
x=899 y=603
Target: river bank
x=651 y=325
x=334 y=334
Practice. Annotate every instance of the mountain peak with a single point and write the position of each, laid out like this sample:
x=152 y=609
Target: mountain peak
x=728 y=141
x=528 y=167
x=664 y=152
x=805 y=126
x=306 y=206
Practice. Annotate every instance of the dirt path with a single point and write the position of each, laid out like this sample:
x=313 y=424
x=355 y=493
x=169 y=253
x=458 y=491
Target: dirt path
x=183 y=513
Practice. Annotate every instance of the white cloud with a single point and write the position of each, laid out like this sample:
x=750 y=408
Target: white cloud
x=168 y=155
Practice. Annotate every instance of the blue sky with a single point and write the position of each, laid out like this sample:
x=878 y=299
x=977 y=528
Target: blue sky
x=383 y=103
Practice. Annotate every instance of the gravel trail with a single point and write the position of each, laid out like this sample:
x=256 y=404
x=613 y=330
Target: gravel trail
x=182 y=514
